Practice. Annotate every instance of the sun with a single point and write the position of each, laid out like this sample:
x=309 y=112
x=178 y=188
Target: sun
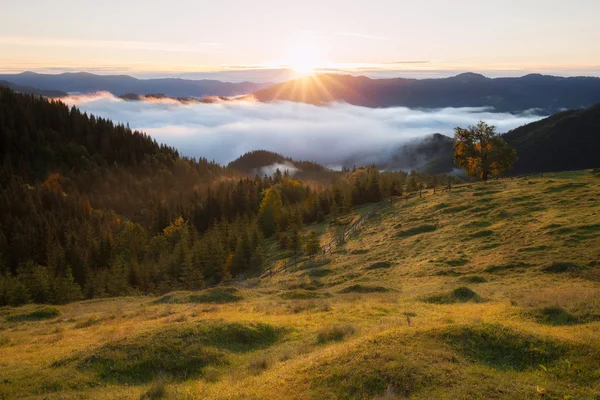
x=304 y=57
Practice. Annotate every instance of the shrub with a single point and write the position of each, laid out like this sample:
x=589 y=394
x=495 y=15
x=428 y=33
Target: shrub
x=364 y=289
x=500 y=268
x=459 y=295
x=416 y=230
x=555 y=316
x=474 y=279
x=335 y=333
x=560 y=267
x=36 y=315
x=379 y=265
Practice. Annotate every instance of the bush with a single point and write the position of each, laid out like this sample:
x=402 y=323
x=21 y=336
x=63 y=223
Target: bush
x=560 y=267
x=555 y=316
x=379 y=265
x=416 y=231
x=335 y=333
x=474 y=279
x=36 y=315
x=364 y=289
x=459 y=295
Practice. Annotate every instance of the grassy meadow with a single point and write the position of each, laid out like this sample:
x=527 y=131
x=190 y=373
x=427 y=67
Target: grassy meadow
x=489 y=291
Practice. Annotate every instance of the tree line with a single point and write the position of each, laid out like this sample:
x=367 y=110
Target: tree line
x=92 y=209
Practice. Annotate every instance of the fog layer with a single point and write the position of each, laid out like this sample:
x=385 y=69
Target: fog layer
x=329 y=135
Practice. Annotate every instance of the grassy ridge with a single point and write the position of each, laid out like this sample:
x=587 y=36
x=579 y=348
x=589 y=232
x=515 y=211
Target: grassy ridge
x=489 y=291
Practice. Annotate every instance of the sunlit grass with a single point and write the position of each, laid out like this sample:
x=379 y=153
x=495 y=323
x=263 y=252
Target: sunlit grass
x=355 y=325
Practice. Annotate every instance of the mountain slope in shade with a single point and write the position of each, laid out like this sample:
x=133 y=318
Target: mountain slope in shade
x=569 y=140
x=31 y=90
x=566 y=141
x=547 y=94
x=83 y=82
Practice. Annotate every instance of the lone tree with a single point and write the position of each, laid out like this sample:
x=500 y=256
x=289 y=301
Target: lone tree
x=481 y=152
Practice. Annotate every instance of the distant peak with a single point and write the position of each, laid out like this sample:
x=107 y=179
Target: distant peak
x=470 y=76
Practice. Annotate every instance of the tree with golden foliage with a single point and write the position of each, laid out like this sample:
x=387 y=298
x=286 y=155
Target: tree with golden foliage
x=481 y=152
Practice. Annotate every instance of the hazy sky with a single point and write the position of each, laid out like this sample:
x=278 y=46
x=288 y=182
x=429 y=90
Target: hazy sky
x=153 y=37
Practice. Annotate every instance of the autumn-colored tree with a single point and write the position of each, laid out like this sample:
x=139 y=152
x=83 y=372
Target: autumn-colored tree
x=270 y=211
x=481 y=152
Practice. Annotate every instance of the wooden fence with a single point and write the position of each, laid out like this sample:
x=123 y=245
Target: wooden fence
x=329 y=247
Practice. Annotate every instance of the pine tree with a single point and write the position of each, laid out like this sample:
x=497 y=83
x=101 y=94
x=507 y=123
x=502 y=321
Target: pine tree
x=258 y=258
x=335 y=212
x=191 y=276
x=64 y=289
x=313 y=245
x=36 y=282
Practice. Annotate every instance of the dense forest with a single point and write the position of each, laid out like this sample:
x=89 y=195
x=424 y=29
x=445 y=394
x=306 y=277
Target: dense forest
x=91 y=208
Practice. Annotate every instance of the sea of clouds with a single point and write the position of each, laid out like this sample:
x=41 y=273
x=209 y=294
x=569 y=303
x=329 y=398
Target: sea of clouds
x=329 y=135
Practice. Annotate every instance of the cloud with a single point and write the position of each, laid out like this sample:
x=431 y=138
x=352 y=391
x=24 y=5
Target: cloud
x=329 y=135
x=203 y=47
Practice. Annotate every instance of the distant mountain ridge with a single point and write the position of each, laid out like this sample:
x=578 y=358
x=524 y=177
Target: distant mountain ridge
x=543 y=93
x=31 y=90
x=84 y=82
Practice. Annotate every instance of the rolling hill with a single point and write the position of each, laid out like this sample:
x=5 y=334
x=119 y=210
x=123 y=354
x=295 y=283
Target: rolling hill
x=83 y=82
x=487 y=291
x=540 y=93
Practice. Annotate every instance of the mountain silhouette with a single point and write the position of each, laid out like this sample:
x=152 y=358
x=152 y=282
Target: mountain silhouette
x=84 y=82
x=535 y=93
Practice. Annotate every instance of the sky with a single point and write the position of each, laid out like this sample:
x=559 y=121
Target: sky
x=238 y=39
x=330 y=135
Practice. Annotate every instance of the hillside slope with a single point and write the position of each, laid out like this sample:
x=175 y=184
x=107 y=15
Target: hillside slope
x=568 y=140
x=487 y=291
x=547 y=94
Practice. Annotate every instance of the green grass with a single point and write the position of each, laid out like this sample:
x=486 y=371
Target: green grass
x=218 y=295
x=384 y=317
x=36 y=315
x=178 y=352
x=501 y=347
x=301 y=295
x=334 y=333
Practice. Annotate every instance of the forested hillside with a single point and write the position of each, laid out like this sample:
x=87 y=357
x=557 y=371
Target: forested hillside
x=92 y=209
x=568 y=140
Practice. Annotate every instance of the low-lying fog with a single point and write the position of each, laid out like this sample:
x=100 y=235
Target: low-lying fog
x=223 y=131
